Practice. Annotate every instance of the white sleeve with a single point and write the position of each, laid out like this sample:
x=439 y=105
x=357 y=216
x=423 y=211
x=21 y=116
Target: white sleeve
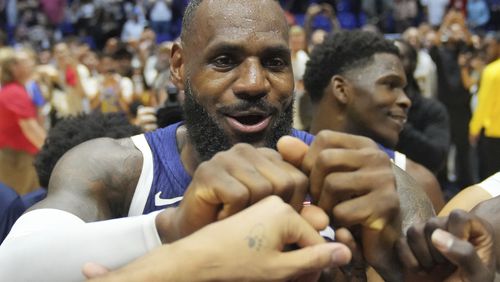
x=53 y=245
x=491 y=185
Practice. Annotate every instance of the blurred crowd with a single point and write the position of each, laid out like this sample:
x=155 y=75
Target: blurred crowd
x=84 y=56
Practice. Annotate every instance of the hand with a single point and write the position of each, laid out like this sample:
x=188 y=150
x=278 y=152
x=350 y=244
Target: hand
x=228 y=183
x=352 y=180
x=146 y=118
x=314 y=9
x=463 y=60
x=459 y=247
x=245 y=247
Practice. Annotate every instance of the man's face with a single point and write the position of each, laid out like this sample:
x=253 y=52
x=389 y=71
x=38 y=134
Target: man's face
x=240 y=85
x=379 y=106
x=61 y=53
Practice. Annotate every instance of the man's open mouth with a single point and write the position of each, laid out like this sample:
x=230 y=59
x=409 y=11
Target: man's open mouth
x=248 y=122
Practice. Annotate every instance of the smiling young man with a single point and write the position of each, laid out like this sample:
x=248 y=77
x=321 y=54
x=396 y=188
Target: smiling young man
x=233 y=62
x=356 y=81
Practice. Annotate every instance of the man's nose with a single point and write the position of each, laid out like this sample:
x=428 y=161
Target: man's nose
x=403 y=100
x=252 y=82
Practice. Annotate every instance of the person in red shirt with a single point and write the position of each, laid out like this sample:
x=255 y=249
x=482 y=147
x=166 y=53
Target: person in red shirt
x=21 y=136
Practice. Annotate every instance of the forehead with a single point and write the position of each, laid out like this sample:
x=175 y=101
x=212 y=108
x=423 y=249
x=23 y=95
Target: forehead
x=381 y=65
x=229 y=20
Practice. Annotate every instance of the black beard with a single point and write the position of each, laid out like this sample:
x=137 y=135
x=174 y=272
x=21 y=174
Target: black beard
x=208 y=138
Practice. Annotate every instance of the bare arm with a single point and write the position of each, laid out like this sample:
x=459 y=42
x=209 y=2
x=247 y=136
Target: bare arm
x=415 y=205
x=466 y=199
x=90 y=184
x=427 y=182
x=96 y=180
x=33 y=131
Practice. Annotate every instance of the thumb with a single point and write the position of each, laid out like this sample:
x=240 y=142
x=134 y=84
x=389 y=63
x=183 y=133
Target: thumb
x=93 y=270
x=292 y=150
x=459 y=252
x=311 y=259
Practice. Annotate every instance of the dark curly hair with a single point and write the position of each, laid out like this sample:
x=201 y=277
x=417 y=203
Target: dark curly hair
x=72 y=131
x=339 y=53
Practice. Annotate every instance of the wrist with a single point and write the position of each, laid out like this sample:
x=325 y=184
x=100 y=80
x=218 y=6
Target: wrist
x=166 y=227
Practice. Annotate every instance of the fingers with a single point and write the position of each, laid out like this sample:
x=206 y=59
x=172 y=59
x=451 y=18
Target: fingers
x=362 y=210
x=245 y=175
x=315 y=216
x=330 y=139
x=311 y=259
x=93 y=270
x=292 y=150
x=418 y=245
x=459 y=252
x=288 y=181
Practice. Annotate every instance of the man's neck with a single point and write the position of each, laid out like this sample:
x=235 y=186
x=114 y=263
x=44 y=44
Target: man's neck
x=189 y=157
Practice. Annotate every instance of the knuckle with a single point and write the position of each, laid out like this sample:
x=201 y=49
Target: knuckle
x=270 y=153
x=273 y=199
x=240 y=196
x=324 y=158
x=413 y=232
x=241 y=148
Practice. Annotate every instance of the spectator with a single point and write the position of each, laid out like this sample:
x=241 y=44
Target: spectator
x=435 y=10
x=68 y=99
x=405 y=13
x=110 y=96
x=453 y=94
x=478 y=14
x=21 y=136
x=302 y=102
x=160 y=16
x=133 y=28
x=425 y=71
x=426 y=134
x=484 y=126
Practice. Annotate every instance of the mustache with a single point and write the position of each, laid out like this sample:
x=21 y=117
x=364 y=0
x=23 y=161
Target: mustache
x=260 y=105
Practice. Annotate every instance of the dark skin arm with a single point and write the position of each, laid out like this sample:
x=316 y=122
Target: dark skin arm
x=415 y=205
x=95 y=180
x=428 y=182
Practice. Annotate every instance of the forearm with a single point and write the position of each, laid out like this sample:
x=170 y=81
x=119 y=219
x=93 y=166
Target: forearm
x=44 y=238
x=33 y=131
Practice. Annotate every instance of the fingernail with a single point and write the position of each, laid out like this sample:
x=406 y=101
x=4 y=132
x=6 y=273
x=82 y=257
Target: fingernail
x=441 y=239
x=340 y=256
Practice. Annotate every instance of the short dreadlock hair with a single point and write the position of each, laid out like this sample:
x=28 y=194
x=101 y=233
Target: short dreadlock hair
x=339 y=53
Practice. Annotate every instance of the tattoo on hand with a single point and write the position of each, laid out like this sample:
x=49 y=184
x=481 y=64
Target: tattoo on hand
x=255 y=239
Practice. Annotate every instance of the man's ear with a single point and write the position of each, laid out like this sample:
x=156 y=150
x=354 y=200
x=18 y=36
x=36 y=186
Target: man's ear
x=340 y=89
x=177 y=66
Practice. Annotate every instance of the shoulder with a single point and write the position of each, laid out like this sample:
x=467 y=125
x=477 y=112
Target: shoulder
x=96 y=179
x=415 y=205
x=12 y=89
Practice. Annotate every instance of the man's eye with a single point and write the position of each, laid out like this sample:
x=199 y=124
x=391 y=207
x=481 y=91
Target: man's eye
x=223 y=61
x=275 y=63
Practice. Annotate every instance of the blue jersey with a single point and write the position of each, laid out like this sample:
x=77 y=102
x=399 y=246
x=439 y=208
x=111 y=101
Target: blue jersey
x=163 y=179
